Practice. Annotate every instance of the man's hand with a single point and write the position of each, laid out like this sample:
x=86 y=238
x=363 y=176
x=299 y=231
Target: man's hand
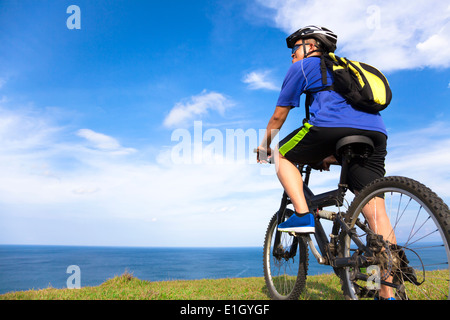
x=324 y=165
x=263 y=155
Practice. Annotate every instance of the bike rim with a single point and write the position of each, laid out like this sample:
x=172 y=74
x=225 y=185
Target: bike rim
x=281 y=273
x=425 y=235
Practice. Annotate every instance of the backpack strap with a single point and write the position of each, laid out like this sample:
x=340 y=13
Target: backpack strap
x=323 y=70
x=307 y=104
x=308 y=99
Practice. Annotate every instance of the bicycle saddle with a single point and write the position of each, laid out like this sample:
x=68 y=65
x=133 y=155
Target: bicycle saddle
x=355 y=146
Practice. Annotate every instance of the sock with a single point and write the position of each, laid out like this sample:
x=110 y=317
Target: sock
x=301 y=214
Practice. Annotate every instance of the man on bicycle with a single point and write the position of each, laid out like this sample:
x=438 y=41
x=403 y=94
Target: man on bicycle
x=331 y=118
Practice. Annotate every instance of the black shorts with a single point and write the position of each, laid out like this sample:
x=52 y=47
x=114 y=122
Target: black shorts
x=310 y=145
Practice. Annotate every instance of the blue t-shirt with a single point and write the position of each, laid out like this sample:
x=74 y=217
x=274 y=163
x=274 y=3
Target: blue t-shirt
x=328 y=108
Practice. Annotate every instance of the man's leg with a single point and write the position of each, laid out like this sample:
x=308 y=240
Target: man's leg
x=302 y=221
x=307 y=144
x=375 y=213
x=292 y=182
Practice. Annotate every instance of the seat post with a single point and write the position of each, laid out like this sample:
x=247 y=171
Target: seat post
x=350 y=147
x=344 y=169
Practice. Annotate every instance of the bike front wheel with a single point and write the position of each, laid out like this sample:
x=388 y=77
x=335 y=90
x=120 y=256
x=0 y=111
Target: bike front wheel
x=285 y=262
x=418 y=262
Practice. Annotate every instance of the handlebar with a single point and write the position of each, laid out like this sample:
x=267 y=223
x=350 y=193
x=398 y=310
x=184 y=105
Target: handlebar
x=264 y=158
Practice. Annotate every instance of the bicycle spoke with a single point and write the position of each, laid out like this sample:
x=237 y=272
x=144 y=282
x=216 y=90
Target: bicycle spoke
x=421 y=259
x=284 y=268
x=425 y=236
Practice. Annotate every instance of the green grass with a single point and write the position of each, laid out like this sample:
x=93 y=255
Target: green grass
x=127 y=287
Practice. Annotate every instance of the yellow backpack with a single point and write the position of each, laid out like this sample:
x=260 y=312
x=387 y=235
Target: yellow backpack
x=364 y=86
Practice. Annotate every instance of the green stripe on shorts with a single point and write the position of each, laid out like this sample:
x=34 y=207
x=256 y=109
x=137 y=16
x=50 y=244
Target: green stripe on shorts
x=285 y=148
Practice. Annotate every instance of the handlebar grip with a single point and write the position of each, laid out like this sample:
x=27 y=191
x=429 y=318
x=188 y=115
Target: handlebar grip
x=269 y=160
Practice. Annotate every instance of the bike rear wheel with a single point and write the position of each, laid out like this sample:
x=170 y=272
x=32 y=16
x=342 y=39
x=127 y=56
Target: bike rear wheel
x=285 y=262
x=419 y=262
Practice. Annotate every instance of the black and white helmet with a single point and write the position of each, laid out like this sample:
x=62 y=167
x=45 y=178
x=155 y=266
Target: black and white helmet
x=326 y=38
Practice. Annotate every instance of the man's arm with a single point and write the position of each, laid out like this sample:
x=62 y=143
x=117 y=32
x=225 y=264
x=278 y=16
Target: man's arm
x=275 y=123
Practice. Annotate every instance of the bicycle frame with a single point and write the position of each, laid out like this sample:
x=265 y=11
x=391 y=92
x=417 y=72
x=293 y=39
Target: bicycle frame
x=328 y=247
x=316 y=203
x=356 y=253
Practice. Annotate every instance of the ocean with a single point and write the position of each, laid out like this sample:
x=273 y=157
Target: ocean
x=24 y=267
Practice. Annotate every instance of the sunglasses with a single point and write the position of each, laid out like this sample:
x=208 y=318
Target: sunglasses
x=295 y=48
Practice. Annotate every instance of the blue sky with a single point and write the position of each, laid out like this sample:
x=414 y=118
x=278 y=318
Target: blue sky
x=89 y=117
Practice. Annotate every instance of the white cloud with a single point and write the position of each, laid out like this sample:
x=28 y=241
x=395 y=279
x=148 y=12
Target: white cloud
x=440 y=40
x=391 y=35
x=100 y=140
x=258 y=80
x=425 y=158
x=25 y=130
x=197 y=106
x=103 y=142
x=56 y=190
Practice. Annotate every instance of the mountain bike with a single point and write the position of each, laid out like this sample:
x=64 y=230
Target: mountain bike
x=415 y=267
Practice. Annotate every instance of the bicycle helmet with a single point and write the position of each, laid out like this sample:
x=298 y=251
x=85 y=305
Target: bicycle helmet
x=326 y=38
